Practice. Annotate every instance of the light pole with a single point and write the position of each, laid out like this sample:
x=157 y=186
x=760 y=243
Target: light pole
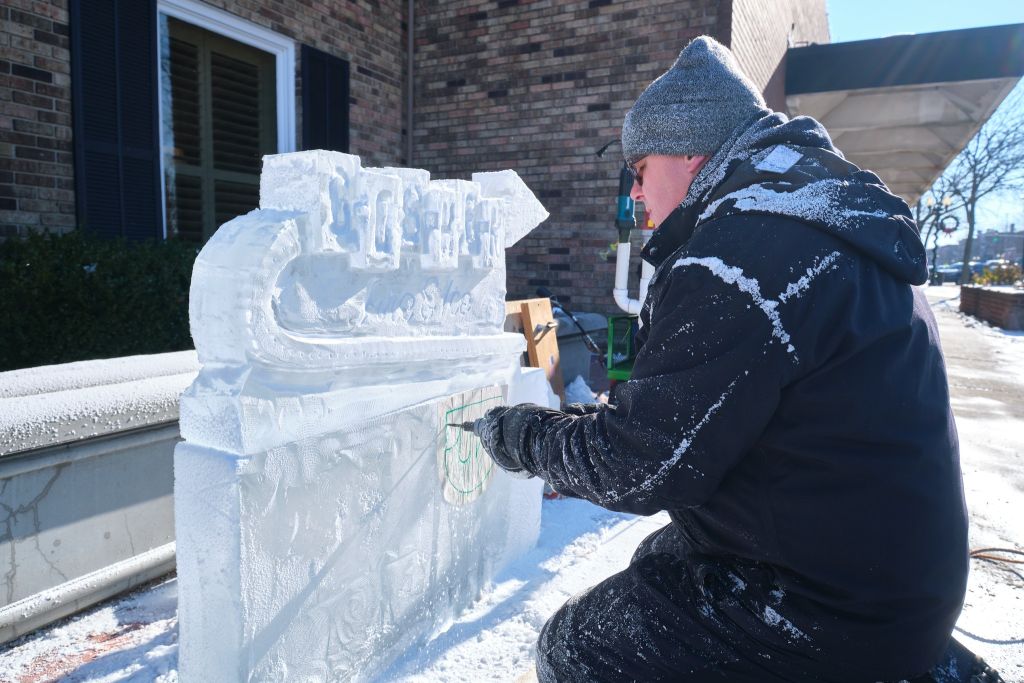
x=937 y=218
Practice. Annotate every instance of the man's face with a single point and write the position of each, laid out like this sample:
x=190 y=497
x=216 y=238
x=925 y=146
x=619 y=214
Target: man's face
x=662 y=182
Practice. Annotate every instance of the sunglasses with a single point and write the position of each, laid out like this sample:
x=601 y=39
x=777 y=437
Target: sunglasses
x=636 y=174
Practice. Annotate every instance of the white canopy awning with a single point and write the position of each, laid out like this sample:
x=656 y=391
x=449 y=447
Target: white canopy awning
x=904 y=107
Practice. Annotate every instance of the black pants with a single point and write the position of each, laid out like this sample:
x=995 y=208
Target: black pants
x=676 y=616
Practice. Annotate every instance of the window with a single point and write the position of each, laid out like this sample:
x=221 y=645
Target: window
x=219 y=111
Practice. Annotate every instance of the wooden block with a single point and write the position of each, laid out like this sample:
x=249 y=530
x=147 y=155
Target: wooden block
x=514 y=316
x=534 y=320
x=541 y=334
x=514 y=323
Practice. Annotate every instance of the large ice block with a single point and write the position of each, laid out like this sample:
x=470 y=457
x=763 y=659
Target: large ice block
x=327 y=517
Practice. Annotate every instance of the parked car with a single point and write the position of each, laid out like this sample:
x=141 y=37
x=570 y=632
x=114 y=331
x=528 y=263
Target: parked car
x=949 y=272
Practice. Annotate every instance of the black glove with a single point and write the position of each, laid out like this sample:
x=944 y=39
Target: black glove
x=581 y=409
x=501 y=431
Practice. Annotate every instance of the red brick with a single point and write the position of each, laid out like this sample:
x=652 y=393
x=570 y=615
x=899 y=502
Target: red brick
x=36 y=101
x=17 y=218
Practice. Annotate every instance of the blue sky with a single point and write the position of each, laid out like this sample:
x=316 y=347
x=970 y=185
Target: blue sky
x=863 y=19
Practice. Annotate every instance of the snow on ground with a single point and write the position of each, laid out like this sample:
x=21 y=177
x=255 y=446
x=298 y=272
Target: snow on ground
x=986 y=378
x=580 y=545
x=135 y=638
x=578 y=391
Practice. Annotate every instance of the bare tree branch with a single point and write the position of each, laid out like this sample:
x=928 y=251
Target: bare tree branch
x=991 y=163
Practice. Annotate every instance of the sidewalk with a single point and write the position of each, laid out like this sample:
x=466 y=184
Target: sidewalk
x=135 y=638
x=986 y=381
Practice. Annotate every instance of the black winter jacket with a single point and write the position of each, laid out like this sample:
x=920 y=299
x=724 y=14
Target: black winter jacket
x=789 y=403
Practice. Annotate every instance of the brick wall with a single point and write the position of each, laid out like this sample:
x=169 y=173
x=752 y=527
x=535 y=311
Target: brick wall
x=533 y=85
x=36 y=165
x=1002 y=307
x=538 y=87
x=36 y=183
x=762 y=30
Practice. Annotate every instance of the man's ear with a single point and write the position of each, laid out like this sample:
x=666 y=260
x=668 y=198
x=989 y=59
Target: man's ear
x=695 y=162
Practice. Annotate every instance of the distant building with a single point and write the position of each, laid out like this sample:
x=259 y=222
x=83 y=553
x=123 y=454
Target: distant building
x=1000 y=244
x=148 y=118
x=988 y=244
x=949 y=253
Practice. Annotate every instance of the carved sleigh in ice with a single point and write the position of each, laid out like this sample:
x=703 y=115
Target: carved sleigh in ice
x=326 y=518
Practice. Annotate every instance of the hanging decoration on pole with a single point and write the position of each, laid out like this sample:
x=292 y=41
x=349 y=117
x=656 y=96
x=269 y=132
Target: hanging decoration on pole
x=949 y=224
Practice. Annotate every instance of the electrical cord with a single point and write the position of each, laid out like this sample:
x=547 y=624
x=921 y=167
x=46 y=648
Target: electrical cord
x=987 y=554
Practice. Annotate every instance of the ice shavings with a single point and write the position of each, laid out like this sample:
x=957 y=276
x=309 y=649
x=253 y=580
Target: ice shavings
x=750 y=286
x=819 y=202
x=752 y=141
x=687 y=441
x=773 y=618
x=650 y=482
x=803 y=284
x=738 y=148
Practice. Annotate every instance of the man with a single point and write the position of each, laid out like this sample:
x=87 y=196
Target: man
x=788 y=408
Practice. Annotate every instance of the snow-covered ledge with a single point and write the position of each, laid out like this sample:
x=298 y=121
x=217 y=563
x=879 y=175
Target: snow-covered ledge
x=56 y=404
x=327 y=518
x=85 y=461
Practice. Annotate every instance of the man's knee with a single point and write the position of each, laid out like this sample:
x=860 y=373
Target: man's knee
x=611 y=632
x=667 y=540
x=556 y=647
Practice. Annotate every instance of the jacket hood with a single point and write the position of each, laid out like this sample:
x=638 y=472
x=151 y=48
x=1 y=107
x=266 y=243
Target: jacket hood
x=790 y=169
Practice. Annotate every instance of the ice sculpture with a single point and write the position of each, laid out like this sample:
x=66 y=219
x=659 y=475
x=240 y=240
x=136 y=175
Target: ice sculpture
x=326 y=517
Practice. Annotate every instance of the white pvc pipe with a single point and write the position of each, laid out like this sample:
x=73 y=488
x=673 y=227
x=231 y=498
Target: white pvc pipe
x=621 y=291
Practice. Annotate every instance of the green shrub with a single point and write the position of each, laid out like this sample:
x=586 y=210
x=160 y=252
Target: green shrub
x=75 y=297
x=999 y=275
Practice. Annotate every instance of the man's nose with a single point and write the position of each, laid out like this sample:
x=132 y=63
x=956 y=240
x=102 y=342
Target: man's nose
x=636 y=193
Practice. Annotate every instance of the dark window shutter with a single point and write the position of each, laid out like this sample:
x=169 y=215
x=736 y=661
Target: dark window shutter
x=114 y=99
x=324 y=101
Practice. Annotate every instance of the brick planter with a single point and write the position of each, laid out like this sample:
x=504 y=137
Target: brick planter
x=1002 y=307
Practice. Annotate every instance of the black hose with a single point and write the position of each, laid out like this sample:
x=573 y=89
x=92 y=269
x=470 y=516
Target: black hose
x=588 y=341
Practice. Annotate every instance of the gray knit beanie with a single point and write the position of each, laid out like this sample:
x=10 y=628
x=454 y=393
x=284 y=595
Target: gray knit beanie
x=693 y=107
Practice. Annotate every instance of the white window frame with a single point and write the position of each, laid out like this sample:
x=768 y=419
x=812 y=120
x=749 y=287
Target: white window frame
x=230 y=26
